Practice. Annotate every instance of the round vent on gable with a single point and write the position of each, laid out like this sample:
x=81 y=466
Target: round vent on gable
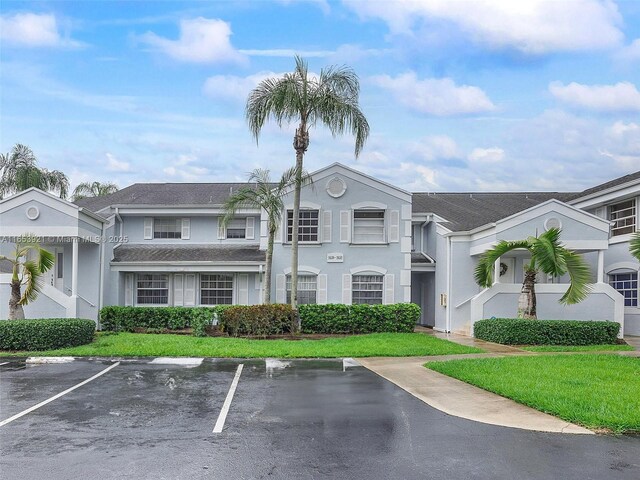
x=33 y=213
x=336 y=187
x=552 y=222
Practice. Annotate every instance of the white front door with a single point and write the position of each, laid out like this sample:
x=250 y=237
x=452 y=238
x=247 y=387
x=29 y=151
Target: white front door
x=507 y=270
x=58 y=269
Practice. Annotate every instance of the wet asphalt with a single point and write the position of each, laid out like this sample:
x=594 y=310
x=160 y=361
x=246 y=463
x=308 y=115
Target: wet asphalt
x=310 y=419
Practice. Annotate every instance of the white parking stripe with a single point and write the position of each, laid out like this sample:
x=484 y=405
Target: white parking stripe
x=4 y=363
x=227 y=401
x=41 y=404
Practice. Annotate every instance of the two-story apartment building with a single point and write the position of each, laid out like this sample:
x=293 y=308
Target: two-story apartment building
x=361 y=241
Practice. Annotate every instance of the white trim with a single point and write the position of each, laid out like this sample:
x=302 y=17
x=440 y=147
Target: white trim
x=249 y=231
x=620 y=238
x=302 y=269
x=185 y=231
x=365 y=205
x=570 y=244
x=368 y=268
x=607 y=195
x=631 y=266
x=185 y=267
x=337 y=195
x=304 y=205
x=179 y=210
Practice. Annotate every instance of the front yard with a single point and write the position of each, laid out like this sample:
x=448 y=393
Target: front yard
x=597 y=391
x=372 y=345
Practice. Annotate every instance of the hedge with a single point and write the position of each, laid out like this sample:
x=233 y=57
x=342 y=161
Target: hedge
x=339 y=318
x=517 y=331
x=127 y=319
x=45 y=333
x=259 y=320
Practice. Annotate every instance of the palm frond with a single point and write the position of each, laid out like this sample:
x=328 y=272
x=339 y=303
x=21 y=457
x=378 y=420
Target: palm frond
x=546 y=251
x=580 y=275
x=32 y=281
x=634 y=245
x=486 y=265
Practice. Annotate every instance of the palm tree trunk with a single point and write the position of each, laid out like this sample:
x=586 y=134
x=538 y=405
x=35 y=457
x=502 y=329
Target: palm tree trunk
x=527 y=300
x=269 y=263
x=16 y=312
x=300 y=144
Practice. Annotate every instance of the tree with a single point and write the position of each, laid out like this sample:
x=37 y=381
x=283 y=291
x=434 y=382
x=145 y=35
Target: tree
x=331 y=99
x=20 y=171
x=94 y=189
x=549 y=256
x=634 y=246
x=268 y=197
x=29 y=262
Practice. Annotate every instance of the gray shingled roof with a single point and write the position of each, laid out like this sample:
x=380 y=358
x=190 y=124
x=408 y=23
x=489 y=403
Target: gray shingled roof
x=418 y=257
x=466 y=211
x=165 y=194
x=188 y=253
x=610 y=184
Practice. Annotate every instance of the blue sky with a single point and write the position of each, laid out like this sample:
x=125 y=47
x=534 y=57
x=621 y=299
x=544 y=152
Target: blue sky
x=460 y=96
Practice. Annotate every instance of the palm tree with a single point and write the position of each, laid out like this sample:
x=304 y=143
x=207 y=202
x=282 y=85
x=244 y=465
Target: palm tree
x=549 y=256
x=268 y=197
x=94 y=189
x=331 y=99
x=20 y=171
x=634 y=246
x=26 y=271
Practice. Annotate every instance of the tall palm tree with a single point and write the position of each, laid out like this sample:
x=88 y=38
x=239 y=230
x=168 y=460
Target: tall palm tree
x=634 y=246
x=549 y=256
x=331 y=99
x=94 y=189
x=29 y=262
x=268 y=197
x=19 y=171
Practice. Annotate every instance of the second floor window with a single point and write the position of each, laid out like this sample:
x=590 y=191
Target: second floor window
x=624 y=217
x=237 y=228
x=368 y=226
x=307 y=227
x=167 y=228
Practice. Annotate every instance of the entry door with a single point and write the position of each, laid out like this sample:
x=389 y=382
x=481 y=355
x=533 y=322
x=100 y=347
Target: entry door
x=509 y=274
x=58 y=269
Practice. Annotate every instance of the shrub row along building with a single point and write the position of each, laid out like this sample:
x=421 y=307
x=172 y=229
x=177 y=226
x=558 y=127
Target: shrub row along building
x=361 y=241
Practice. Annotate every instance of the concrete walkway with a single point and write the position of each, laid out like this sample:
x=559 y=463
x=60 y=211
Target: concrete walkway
x=633 y=341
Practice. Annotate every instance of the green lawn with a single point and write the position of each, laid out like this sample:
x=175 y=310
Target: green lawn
x=597 y=391
x=373 y=345
x=579 y=348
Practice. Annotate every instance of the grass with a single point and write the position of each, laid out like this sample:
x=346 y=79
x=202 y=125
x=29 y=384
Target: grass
x=597 y=391
x=373 y=345
x=579 y=348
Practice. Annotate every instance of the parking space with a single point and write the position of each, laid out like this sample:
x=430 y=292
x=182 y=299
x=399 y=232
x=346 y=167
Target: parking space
x=300 y=419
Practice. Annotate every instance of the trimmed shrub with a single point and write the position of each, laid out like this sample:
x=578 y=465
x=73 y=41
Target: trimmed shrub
x=127 y=319
x=45 y=333
x=339 y=318
x=517 y=331
x=258 y=320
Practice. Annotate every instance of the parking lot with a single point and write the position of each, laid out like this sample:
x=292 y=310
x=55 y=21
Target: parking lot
x=301 y=419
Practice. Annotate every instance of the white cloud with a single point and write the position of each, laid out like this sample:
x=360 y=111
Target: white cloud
x=433 y=148
x=183 y=169
x=233 y=87
x=435 y=96
x=623 y=96
x=34 y=30
x=530 y=26
x=631 y=52
x=201 y=40
x=322 y=4
x=486 y=155
x=115 y=165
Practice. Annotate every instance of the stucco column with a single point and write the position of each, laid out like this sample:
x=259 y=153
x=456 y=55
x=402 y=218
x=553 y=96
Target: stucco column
x=74 y=267
x=496 y=271
x=600 y=266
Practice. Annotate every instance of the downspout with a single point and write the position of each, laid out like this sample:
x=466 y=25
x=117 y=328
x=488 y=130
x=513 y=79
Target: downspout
x=449 y=300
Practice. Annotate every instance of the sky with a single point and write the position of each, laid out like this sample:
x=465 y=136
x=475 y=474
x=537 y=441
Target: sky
x=490 y=95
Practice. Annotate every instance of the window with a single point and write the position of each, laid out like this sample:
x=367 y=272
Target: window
x=627 y=285
x=307 y=226
x=307 y=285
x=59 y=265
x=624 y=217
x=153 y=289
x=167 y=228
x=367 y=289
x=368 y=226
x=216 y=289
x=237 y=228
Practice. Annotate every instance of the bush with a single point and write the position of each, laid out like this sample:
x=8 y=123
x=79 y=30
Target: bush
x=45 y=333
x=517 y=331
x=339 y=318
x=127 y=319
x=258 y=320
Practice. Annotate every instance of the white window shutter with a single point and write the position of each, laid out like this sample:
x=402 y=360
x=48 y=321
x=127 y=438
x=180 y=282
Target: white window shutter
x=394 y=226
x=326 y=226
x=345 y=226
x=148 y=228
x=243 y=289
x=250 y=229
x=189 y=289
x=346 y=289
x=128 y=289
x=389 y=296
x=186 y=229
x=281 y=288
x=178 y=289
x=222 y=232
x=321 y=298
